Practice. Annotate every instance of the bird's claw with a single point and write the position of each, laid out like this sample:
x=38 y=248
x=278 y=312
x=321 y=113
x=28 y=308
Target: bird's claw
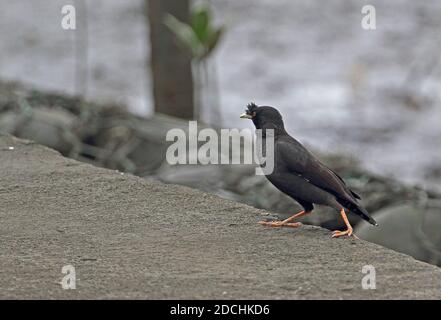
x=278 y=224
x=348 y=232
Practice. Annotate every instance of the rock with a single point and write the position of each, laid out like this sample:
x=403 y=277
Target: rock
x=49 y=126
x=406 y=228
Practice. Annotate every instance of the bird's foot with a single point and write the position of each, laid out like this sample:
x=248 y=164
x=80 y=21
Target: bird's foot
x=278 y=224
x=349 y=232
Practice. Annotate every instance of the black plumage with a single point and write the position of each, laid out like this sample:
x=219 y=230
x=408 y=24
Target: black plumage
x=299 y=174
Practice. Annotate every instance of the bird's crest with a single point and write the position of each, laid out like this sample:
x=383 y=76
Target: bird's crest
x=252 y=107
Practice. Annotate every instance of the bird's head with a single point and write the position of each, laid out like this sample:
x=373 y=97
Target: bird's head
x=264 y=117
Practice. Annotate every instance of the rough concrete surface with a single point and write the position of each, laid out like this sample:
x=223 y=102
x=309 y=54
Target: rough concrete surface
x=132 y=238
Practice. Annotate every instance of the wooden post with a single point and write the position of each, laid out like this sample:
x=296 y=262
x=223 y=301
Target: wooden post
x=170 y=64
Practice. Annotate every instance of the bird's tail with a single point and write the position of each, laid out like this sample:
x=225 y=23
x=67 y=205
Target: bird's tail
x=357 y=209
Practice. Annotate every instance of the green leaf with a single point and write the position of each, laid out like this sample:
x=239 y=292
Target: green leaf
x=200 y=22
x=184 y=33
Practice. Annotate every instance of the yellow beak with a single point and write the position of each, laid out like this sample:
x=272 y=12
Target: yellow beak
x=246 y=116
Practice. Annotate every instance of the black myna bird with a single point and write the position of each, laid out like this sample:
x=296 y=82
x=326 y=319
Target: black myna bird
x=299 y=174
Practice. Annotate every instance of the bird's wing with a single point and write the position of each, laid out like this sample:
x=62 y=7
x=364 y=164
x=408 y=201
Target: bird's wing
x=303 y=163
x=354 y=194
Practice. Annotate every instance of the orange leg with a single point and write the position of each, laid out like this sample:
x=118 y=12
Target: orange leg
x=348 y=232
x=285 y=223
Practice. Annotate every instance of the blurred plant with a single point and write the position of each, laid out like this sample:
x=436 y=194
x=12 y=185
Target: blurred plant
x=200 y=37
